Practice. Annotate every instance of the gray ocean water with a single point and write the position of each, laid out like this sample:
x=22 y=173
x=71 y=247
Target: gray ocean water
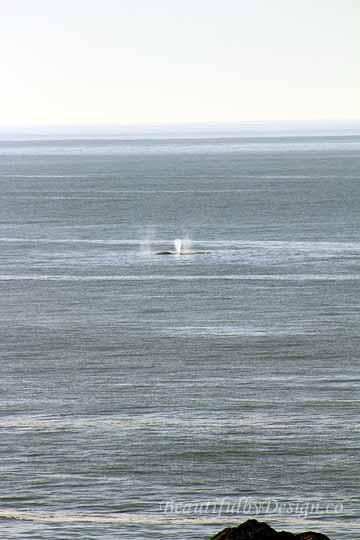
x=129 y=379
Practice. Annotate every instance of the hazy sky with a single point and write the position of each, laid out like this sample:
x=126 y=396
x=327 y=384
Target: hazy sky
x=167 y=61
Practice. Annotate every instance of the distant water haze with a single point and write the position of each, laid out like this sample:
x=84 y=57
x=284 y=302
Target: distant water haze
x=185 y=130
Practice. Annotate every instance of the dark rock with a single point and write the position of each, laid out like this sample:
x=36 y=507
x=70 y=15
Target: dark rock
x=256 y=530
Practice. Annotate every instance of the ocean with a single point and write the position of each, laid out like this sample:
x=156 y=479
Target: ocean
x=148 y=396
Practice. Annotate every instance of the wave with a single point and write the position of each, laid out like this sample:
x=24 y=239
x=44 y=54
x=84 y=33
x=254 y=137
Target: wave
x=168 y=277
x=219 y=244
x=90 y=175
x=150 y=519
x=165 y=519
x=71 y=241
x=260 y=176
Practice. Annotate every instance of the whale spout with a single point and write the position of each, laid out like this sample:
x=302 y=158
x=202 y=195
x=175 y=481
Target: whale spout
x=178 y=244
x=182 y=246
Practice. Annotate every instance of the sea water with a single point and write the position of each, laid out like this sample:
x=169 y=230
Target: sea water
x=136 y=386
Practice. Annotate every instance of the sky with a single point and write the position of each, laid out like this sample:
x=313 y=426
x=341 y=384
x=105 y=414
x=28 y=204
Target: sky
x=130 y=62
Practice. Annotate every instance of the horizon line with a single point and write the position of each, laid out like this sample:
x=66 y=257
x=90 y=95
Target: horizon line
x=185 y=124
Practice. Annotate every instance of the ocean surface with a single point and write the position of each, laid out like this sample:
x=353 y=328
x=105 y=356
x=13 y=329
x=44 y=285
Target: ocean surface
x=137 y=386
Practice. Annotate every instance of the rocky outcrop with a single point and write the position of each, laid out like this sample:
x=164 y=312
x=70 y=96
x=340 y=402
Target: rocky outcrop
x=256 y=530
